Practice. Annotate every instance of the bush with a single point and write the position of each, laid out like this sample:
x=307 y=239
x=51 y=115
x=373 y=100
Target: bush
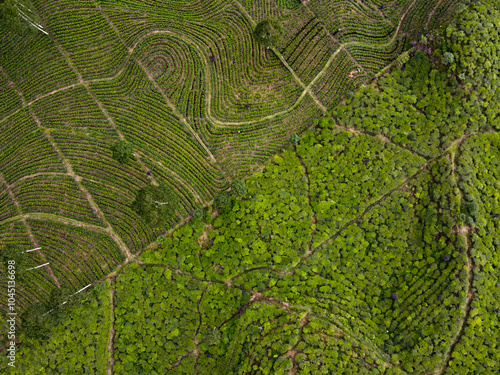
x=239 y=188
x=122 y=151
x=269 y=32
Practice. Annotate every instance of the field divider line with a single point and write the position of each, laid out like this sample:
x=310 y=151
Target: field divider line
x=22 y=217
x=156 y=85
x=174 y=109
x=117 y=239
x=470 y=294
x=112 y=331
x=282 y=59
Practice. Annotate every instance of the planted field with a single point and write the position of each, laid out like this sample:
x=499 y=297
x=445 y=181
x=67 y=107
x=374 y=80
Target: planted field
x=34 y=64
x=9 y=100
x=342 y=76
x=202 y=103
x=80 y=343
x=57 y=195
x=116 y=207
x=100 y=53
x=72 y=110
x=78 y=256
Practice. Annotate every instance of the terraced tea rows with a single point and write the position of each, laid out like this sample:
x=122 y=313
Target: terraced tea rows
x=187 y=85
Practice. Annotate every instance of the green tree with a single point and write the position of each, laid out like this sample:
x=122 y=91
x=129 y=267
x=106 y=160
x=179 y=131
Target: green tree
x=156 y=204
x=17 y=254
x=122 y=151
x=55 y=304
x=33 y=322
x=198 y=214
x=222 y=199
x=448 y=58
x=402 y=59
x=269 y=32
x=239 y=188
x=295 y=139
x=17 y=15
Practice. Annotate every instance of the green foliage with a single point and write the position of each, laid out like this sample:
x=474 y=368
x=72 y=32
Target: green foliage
x=473 y=37
x=397 y=200
x=170 y=319
x=198 y=214
x=239 y=188
x=223 y=199
x=419 y=100
x=122 y=151
x=403 y=59
x=156 y=204
x=448 y=58
x=477 y=351
x=16 y=253
x=294 y=139
x=15 y=16
x=57 y=305
x=269 y=32
x=78 y=341
x=33 y=323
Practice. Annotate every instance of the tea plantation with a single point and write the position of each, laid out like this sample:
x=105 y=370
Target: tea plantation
x=333 y=195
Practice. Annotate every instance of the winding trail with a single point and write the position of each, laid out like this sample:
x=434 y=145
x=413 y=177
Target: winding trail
x=464 y=233
x=307 y=90
x=112 y=331
x=431 y=14
x=216 y=122
x=33 y=240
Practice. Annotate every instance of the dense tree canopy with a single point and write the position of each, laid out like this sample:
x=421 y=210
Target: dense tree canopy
x=17 y=16
x=17 y=254
x=122 y=151
x=156 y=204
x=269 y=32
x=239 y=188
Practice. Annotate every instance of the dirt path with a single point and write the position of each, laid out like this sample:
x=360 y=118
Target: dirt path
x=33 y=240
x=431 y=14
x=175 y=110
x=27 y=177
x=464 y=232
x=111 y=350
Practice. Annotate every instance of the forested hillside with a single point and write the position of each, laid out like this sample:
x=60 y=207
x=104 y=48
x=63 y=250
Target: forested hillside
x=366 y=244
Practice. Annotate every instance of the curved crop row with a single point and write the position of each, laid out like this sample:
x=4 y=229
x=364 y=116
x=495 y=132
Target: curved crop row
x=340 y=78
x=127 y=224
x=78 y=256
x=91 y=159
x=86 y=37
x=350 y=20
x=29 y=154
x=57 y=195
x=9 y=100
x=70 y=109
x=25 y=69
x=36 y=284
x=308 y=50
x=373 y=59
x=177 y=69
